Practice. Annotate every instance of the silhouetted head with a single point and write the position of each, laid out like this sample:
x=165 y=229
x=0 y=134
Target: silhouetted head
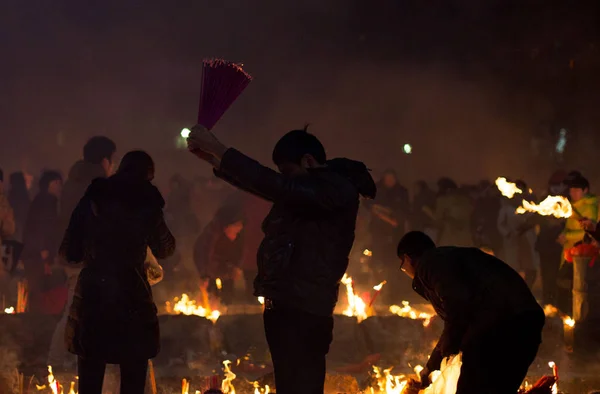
x=446 y=185
x=17 y=181
x=389 y=178
x=578 y=187
x=297 y=151
x=137 y=165
x=51 y=182
x=411 y=248
x=100 y=150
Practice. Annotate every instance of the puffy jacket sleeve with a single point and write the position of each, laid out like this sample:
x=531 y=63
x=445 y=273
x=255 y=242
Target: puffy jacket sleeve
x=453 y=298
x=302 y=191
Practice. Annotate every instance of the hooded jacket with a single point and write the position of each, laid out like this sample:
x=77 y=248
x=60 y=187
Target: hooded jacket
x=309 y=231
x=113 y=316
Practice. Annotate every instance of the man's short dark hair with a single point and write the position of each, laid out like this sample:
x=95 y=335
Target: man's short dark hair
x=292 y=147
x=99 y=148
x=47 y=178
x=578 y=182
x=414 y=244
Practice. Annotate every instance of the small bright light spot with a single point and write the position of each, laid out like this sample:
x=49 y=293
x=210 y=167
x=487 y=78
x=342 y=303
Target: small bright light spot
x=407 y=149
x=185 y=132
x=562 y=141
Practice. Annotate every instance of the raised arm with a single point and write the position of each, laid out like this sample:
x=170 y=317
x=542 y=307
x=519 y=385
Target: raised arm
x=300 y=191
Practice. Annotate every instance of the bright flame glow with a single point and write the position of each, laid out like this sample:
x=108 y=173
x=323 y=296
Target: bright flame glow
x=407 y=311
x=367 y=253
x=379 y=286
x=258 y=390
x=407 y=148
x=569 y=322
x=446 y=380
x=189 y=307
x=356 y=305
x=185 y=133
x=508 y=189
x=442 y=382
x=550 y=310
x=388 y=383
x=557 y=206
x=261 y=300
x=219 y=283
x=9 y=310
x=227 y=385
x=52 y=382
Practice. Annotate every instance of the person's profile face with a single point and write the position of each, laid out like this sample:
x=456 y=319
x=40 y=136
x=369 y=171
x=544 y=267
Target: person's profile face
x=406 y=266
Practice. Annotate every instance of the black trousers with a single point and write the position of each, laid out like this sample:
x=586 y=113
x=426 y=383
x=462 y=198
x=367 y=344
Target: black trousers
x=91 y=376
x=299 y=342
x=496 y=361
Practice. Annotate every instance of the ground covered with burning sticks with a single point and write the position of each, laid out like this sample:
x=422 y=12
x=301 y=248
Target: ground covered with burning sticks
x=374 y=353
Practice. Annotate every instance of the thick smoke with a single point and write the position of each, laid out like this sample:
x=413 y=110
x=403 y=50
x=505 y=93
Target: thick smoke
x=456 y=79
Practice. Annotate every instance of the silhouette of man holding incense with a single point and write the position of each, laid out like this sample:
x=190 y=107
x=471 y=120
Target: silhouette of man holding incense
x=308 y=235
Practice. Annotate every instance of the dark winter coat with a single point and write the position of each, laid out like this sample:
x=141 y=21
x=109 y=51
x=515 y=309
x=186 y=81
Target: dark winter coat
x=472 y=292
x=308 y=232
x=113 y=316
x=42 y=231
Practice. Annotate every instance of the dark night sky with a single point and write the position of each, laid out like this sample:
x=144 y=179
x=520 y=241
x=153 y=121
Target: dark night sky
x=466 y=82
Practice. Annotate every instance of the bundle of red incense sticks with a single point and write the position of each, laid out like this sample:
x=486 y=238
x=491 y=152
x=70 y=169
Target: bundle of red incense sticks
x=222 y=84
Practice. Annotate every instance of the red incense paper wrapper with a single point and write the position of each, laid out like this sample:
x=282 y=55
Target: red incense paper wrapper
x=222 y=84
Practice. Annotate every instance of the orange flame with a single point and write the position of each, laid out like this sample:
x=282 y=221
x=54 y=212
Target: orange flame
x=508 y=189
x=557 y=206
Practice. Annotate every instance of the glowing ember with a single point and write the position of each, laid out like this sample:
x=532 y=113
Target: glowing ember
x=508 y=189
x=356 y=305
x=569 y=322
x=219 y=283
x=552 y=365
x=557 y=206
x=9 y=310
x=367 y=253
x=550 y=310
x=189 y=307
x=227 y=385
x=407 y=311
x=379 y=286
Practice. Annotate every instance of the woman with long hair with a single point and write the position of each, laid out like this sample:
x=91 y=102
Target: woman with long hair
x=113 y=319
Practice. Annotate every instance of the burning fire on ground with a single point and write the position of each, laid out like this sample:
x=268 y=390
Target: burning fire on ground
x=189 y=307
x=407 y=311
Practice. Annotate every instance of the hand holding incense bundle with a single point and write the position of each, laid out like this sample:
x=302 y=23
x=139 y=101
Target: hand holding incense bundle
x=222 y=83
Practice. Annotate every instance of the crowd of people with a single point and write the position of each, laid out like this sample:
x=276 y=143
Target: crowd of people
x=93 y=233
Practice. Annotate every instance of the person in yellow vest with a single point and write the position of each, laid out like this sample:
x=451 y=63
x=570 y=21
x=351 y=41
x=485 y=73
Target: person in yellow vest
x=585 y=207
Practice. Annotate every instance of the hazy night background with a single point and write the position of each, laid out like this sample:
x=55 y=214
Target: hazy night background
x=479 y=88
